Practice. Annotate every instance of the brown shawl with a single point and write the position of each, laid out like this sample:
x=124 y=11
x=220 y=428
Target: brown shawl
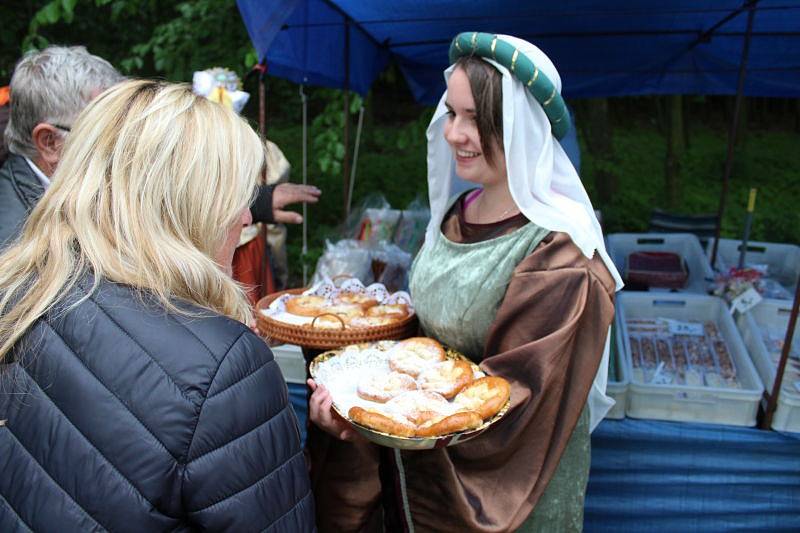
x=547 y=339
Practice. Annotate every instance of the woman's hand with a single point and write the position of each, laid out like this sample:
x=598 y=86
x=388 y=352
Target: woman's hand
x=321 y=412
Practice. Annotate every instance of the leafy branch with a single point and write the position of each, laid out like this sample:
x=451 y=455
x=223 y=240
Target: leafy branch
x=327 y=131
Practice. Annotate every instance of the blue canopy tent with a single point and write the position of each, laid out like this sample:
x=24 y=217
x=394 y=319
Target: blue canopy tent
x=609 y=48
x=660 y=471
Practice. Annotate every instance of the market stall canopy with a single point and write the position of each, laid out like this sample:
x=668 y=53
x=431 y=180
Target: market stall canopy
x=608 y=48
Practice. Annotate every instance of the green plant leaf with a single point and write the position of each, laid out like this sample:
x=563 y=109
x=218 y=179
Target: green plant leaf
x=324 y=163
x=355 y=103
x=250 y=59
x=51 y=13
x=68 y=6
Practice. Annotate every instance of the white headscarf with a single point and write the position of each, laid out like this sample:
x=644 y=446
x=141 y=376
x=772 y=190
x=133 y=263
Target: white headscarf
x=542 y=181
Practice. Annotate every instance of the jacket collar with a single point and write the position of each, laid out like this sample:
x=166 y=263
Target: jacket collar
x=25 y=182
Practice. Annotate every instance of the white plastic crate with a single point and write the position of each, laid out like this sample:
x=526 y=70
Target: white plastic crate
x=687 y=245
x=688 y=403
x=782 y=260
x=291 y=362
x=772 y=314
x=618 y=389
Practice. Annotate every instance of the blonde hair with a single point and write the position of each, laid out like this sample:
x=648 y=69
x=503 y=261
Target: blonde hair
x=151 y=179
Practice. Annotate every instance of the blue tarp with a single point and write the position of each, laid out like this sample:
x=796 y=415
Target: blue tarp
x=667 y=476
x=608 y=48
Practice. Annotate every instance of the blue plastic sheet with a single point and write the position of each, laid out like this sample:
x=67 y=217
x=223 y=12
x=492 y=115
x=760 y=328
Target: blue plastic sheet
x=666 y=476
x=610 y=48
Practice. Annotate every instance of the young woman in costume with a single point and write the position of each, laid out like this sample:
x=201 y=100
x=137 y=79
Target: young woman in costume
x=513 y=274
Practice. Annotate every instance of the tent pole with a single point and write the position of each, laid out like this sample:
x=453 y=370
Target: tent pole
x=262 y=102
x=751 y=11
x=346 y=160
x=772 y=401
x=265 y=266
x=304 y=102
x=355 y=158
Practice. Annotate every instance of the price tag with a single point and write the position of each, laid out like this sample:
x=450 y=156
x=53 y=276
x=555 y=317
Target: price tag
x=677 y=327
x=746 y=301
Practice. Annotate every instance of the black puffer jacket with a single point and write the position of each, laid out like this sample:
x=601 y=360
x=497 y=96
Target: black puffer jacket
x=121 y=416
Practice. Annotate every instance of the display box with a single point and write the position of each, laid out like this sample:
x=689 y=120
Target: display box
x=689 y=400
x=763 y=330
x=782 y=262
x=700 y=276
x=291 y=362
x=618 y=379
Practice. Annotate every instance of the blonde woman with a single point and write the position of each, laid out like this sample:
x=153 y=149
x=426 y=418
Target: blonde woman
x=133 y=397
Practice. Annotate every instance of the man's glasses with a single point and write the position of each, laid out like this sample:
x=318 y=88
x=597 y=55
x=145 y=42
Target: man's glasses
x=62 y=128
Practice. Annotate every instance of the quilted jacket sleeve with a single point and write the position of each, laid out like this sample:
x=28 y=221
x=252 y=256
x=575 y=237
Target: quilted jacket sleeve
x=245 y=469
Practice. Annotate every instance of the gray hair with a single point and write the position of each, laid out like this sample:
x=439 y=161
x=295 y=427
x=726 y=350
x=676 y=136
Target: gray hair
x=53 y=86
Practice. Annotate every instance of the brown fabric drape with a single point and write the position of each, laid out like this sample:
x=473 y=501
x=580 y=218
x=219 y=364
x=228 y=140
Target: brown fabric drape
x=547 y=340
x=346 y=482
x=251 y=268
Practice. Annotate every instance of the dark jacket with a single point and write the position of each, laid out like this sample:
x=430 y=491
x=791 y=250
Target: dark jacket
x=122 y=416
x=5 y=111
x=20 y=189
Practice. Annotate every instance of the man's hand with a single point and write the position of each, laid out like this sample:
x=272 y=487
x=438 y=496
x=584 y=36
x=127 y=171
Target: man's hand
x=291 y=193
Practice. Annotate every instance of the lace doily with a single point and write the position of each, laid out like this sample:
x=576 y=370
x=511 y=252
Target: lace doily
x=330 y=290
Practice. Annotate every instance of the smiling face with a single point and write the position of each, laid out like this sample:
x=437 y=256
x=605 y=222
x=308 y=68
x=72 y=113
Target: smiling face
x=461 y=133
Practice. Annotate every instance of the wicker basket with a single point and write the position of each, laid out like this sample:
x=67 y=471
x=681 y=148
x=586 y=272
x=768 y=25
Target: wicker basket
x=327 y=339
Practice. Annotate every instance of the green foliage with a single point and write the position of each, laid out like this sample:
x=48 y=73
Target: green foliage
x=176 y=46
x=171 y=39
x=766 y=162
x=327 y=131
x=398 y=174
x=413 y=135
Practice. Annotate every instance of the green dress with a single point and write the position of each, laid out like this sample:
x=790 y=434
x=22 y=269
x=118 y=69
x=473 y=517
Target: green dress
x=457 y=289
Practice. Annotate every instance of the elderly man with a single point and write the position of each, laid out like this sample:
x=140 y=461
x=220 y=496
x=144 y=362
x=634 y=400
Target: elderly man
x=48 y=90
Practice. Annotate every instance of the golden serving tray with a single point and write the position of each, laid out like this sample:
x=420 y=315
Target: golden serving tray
x=408 y=443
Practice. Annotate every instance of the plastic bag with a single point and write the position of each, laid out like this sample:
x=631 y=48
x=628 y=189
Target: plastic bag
x=410 y=231
x=373 y=221
x=390 y=266
x=380 y=262
x=378 y=225
x=347 y=258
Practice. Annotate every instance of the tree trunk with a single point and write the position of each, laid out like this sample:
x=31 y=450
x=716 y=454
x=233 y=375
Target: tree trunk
x=741 y=130
x=596 y=126
x=661 y=119
x=687 y=113
x=675 y=150
x=797 y=115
